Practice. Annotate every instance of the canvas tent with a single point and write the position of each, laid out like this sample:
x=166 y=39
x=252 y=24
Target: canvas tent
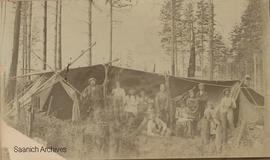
x=60 y=98
x=57 y=93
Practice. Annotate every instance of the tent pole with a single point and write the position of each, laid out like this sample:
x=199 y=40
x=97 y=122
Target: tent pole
x=105 y=84
x=31 y=119
x=170 y=107
x=50 y=105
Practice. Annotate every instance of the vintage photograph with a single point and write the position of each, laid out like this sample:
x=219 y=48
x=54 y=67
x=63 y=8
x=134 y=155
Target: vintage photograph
x=133 y=79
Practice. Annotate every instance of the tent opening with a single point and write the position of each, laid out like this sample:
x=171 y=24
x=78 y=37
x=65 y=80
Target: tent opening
x=61 y=103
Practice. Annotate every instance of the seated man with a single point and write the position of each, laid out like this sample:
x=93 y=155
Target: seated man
x=118 y=96
x=155 y=126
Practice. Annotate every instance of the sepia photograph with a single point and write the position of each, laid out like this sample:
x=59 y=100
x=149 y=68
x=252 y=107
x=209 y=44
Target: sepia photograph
x=134 y=79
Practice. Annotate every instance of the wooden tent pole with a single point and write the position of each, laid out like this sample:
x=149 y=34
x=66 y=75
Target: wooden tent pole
x=105 y=84
x=31 y=119
x=50 y=105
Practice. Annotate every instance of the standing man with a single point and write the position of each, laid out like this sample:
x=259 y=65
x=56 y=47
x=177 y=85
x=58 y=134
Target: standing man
x=161 y=104
x=118 y=101
x=142 y=103
x=193 y=112
x=202 y=97
x=92 y=98
x=227 y=105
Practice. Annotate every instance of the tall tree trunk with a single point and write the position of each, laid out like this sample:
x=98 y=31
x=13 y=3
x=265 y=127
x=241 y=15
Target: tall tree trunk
x=183 y=64
x=173 y=36
x=60 y=36
x=11 y=87
x=192 y=59
x=211 y=36
x=176 y=60
x=202 y=41
x=29 y=37
x=56 y=34
x=24 y=42
x=45 y=36
x=90 y=30
x=3 y=23
x=111 y=30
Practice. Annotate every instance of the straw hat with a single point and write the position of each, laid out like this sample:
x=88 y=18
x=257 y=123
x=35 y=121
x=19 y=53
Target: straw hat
x=226 y=90
x=91 y=79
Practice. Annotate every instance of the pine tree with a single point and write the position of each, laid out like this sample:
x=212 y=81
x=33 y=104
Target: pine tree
x=90 y=3
x=190 y=20
x=221 y=55
x=114 y=4
x=56 y=34
x=166 y=33
x=247 y=42
x=211 y=37
x=202 y=15
x=11 y=86
x=45 y=35
x=59 y=57
x=29 y=37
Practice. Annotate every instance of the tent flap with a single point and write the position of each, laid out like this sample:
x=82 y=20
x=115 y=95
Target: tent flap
x=75 y=108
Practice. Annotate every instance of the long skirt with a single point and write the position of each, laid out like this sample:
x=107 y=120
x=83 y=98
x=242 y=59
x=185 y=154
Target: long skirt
x=118 y=108
x=205 y=131
x=223 y=118
x=230 y=118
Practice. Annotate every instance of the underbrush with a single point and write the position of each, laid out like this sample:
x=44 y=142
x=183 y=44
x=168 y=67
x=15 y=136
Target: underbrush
x=73 y=136
x=87 y=139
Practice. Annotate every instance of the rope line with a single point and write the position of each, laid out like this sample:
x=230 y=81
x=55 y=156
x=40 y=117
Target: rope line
x=253 y=99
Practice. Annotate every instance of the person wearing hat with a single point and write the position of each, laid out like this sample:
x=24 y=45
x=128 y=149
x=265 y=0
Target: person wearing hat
x=202 y=97
x=247 y=80
x=92 y=97
x=227 y=105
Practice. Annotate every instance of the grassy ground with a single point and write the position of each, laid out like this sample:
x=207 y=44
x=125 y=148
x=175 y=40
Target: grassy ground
x=85 y=140
x=172 y=147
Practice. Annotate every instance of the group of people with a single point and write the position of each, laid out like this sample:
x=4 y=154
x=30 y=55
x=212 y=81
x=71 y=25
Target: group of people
x=129 y=106
x=191 y=109
x=194 y=115
x=197 y=115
